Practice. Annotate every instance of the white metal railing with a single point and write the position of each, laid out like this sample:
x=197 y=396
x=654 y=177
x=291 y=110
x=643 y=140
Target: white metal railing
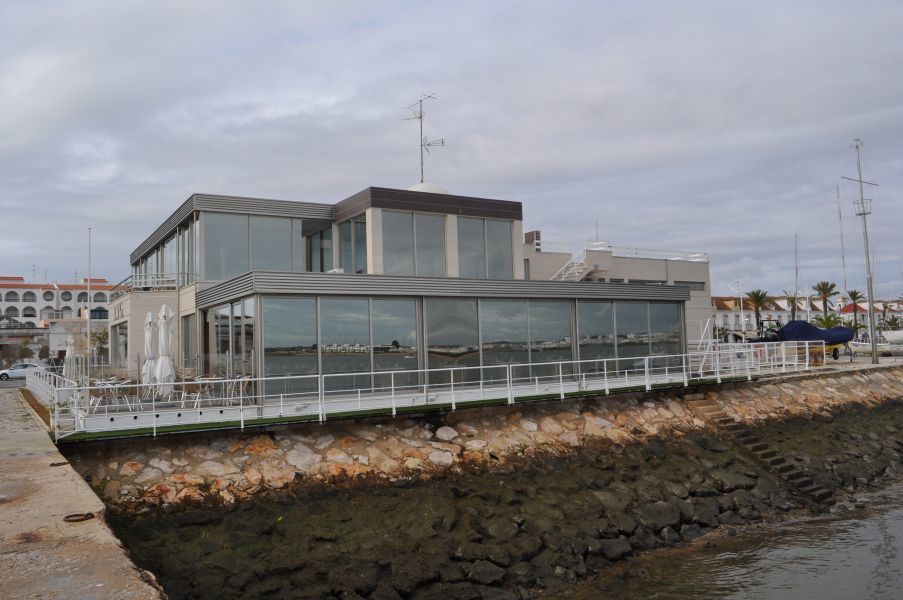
x=115 y=406
x=151 y=282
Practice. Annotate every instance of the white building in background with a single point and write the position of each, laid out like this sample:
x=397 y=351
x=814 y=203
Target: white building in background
x=37 y=304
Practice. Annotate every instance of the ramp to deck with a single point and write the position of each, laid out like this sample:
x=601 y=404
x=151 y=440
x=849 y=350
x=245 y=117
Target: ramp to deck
x=41 y=556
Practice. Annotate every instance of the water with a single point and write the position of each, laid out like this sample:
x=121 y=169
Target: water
x=855 y=555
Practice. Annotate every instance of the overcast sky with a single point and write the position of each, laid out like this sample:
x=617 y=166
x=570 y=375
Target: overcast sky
x=720 y=127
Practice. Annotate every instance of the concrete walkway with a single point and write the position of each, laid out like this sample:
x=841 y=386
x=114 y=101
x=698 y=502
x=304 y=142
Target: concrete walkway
x=41 y=556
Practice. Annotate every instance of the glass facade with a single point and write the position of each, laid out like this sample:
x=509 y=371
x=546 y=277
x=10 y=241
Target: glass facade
x=299 y=245
x=394 y=334
x=484 y=248
x=499 y=253
x=452 y=336
x=225 y=246
x=398 y=243
x=353 y=245
x=632 y=322
x=664 y=328
x=504 y=332
x=289 y=338
x=319 y=251
x=189 y=337
x=413 y=244
x=595 y=322
x=271 y=244
x=471 y=248
x=345 y=341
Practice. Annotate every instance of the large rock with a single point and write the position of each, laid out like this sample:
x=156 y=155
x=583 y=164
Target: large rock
x=615 y=497
x=615 y=549
x=550 y=426
x=301 y=457
x=658 y=515
x=381 y=461
x=704 y=511
x=148 y=474
x=441 y=458
x=483 y=571
x=217 y=469
x=336 y=455
x=446 y=433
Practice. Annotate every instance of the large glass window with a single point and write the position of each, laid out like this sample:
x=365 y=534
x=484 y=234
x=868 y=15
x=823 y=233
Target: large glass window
x=225 y=246
x=664 y=328
x=632 y=322
x=188 y=333
x=346 y=247
x=220 y=320
x=196 y=247
x=271 y=244
x=345 y=341
x=504 y=332
x=471 y=248
x=430 y=251
x=319 y=251
x=394 y=334
x=550 y=331
x=595 y=322
x=360 y=245
x=290 y=343
x=398 y=243
x=499 y=257
x=452 y=335
x=298 y=245
x=170 y=264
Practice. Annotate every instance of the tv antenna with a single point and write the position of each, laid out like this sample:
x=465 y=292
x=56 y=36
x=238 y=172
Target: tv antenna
x=425 y=142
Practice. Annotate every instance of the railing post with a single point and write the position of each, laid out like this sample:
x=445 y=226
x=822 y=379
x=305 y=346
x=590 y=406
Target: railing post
x=808 y=358
x=321 y=400
x=241 y=413
x=784 y=357
x=605 y=376
x=749 y=356
x=717 y=362
x=451 y=376
x=646 y=373
x=392 y=383
x=683 y=365
x=560 y=383
x=509 y=384
x=153 y=414
x=281 y=408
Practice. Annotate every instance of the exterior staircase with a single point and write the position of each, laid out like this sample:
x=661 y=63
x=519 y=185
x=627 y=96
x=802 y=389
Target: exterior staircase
x=574 y=269
x=709 y=411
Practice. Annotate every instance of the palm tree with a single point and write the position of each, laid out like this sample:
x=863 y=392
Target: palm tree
x=855 y=297
x=793 y=306
x=893 y=323
x=828 y=321
x=758 y=299
x=825 y=290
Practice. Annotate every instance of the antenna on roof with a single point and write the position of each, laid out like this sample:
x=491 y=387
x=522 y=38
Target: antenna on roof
x=425 y=142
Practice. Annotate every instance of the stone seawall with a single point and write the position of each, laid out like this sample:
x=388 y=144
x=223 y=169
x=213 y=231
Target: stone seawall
x=230 y=466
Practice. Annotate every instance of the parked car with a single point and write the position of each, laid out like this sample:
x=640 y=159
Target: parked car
x=19 y=371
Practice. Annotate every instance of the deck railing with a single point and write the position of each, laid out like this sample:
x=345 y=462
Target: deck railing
x=114 y=407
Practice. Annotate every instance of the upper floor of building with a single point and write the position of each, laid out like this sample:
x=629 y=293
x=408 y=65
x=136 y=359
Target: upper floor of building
x=32 y=303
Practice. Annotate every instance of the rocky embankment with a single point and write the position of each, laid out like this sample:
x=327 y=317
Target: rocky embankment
x=527 y=527
x=232 y=466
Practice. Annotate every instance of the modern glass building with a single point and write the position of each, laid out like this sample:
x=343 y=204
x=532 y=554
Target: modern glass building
x=386 y=280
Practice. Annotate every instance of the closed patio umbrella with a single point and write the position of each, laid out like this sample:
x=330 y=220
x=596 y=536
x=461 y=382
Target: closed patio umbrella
x=150 y=349
x=69 y=361
x=164 y=373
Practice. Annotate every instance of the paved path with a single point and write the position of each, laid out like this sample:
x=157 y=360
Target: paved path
x=41 y=556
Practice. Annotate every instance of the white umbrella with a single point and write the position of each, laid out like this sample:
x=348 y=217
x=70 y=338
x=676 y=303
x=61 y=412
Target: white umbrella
x=69 y=361
x=150 y=349
x=164 y=373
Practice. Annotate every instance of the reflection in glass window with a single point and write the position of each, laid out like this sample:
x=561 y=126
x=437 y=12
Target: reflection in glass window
x=632 y=322
x=452 y=336
x=360 y=245
x=225 y=245
x=345 y=341
x=499 y=254
x=430 y=252
x=471 y=248
x=189 y=335
x=504 y=333
x=394 y=339
x=271 y=244
x=218 y=321
x=289 y=343
x=550 y=330
x=346 y=250
x=319 y=251
x=398 y=243
x=595 y=322
x=664 y=327
x=298 y=245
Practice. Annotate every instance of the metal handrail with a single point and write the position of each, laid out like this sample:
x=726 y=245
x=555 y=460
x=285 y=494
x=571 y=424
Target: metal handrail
x=114 y=406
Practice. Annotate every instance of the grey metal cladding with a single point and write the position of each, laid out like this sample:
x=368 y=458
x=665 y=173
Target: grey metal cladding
x=232 y=204
x=162 y=232
x=427 y=202
x=271 y=282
